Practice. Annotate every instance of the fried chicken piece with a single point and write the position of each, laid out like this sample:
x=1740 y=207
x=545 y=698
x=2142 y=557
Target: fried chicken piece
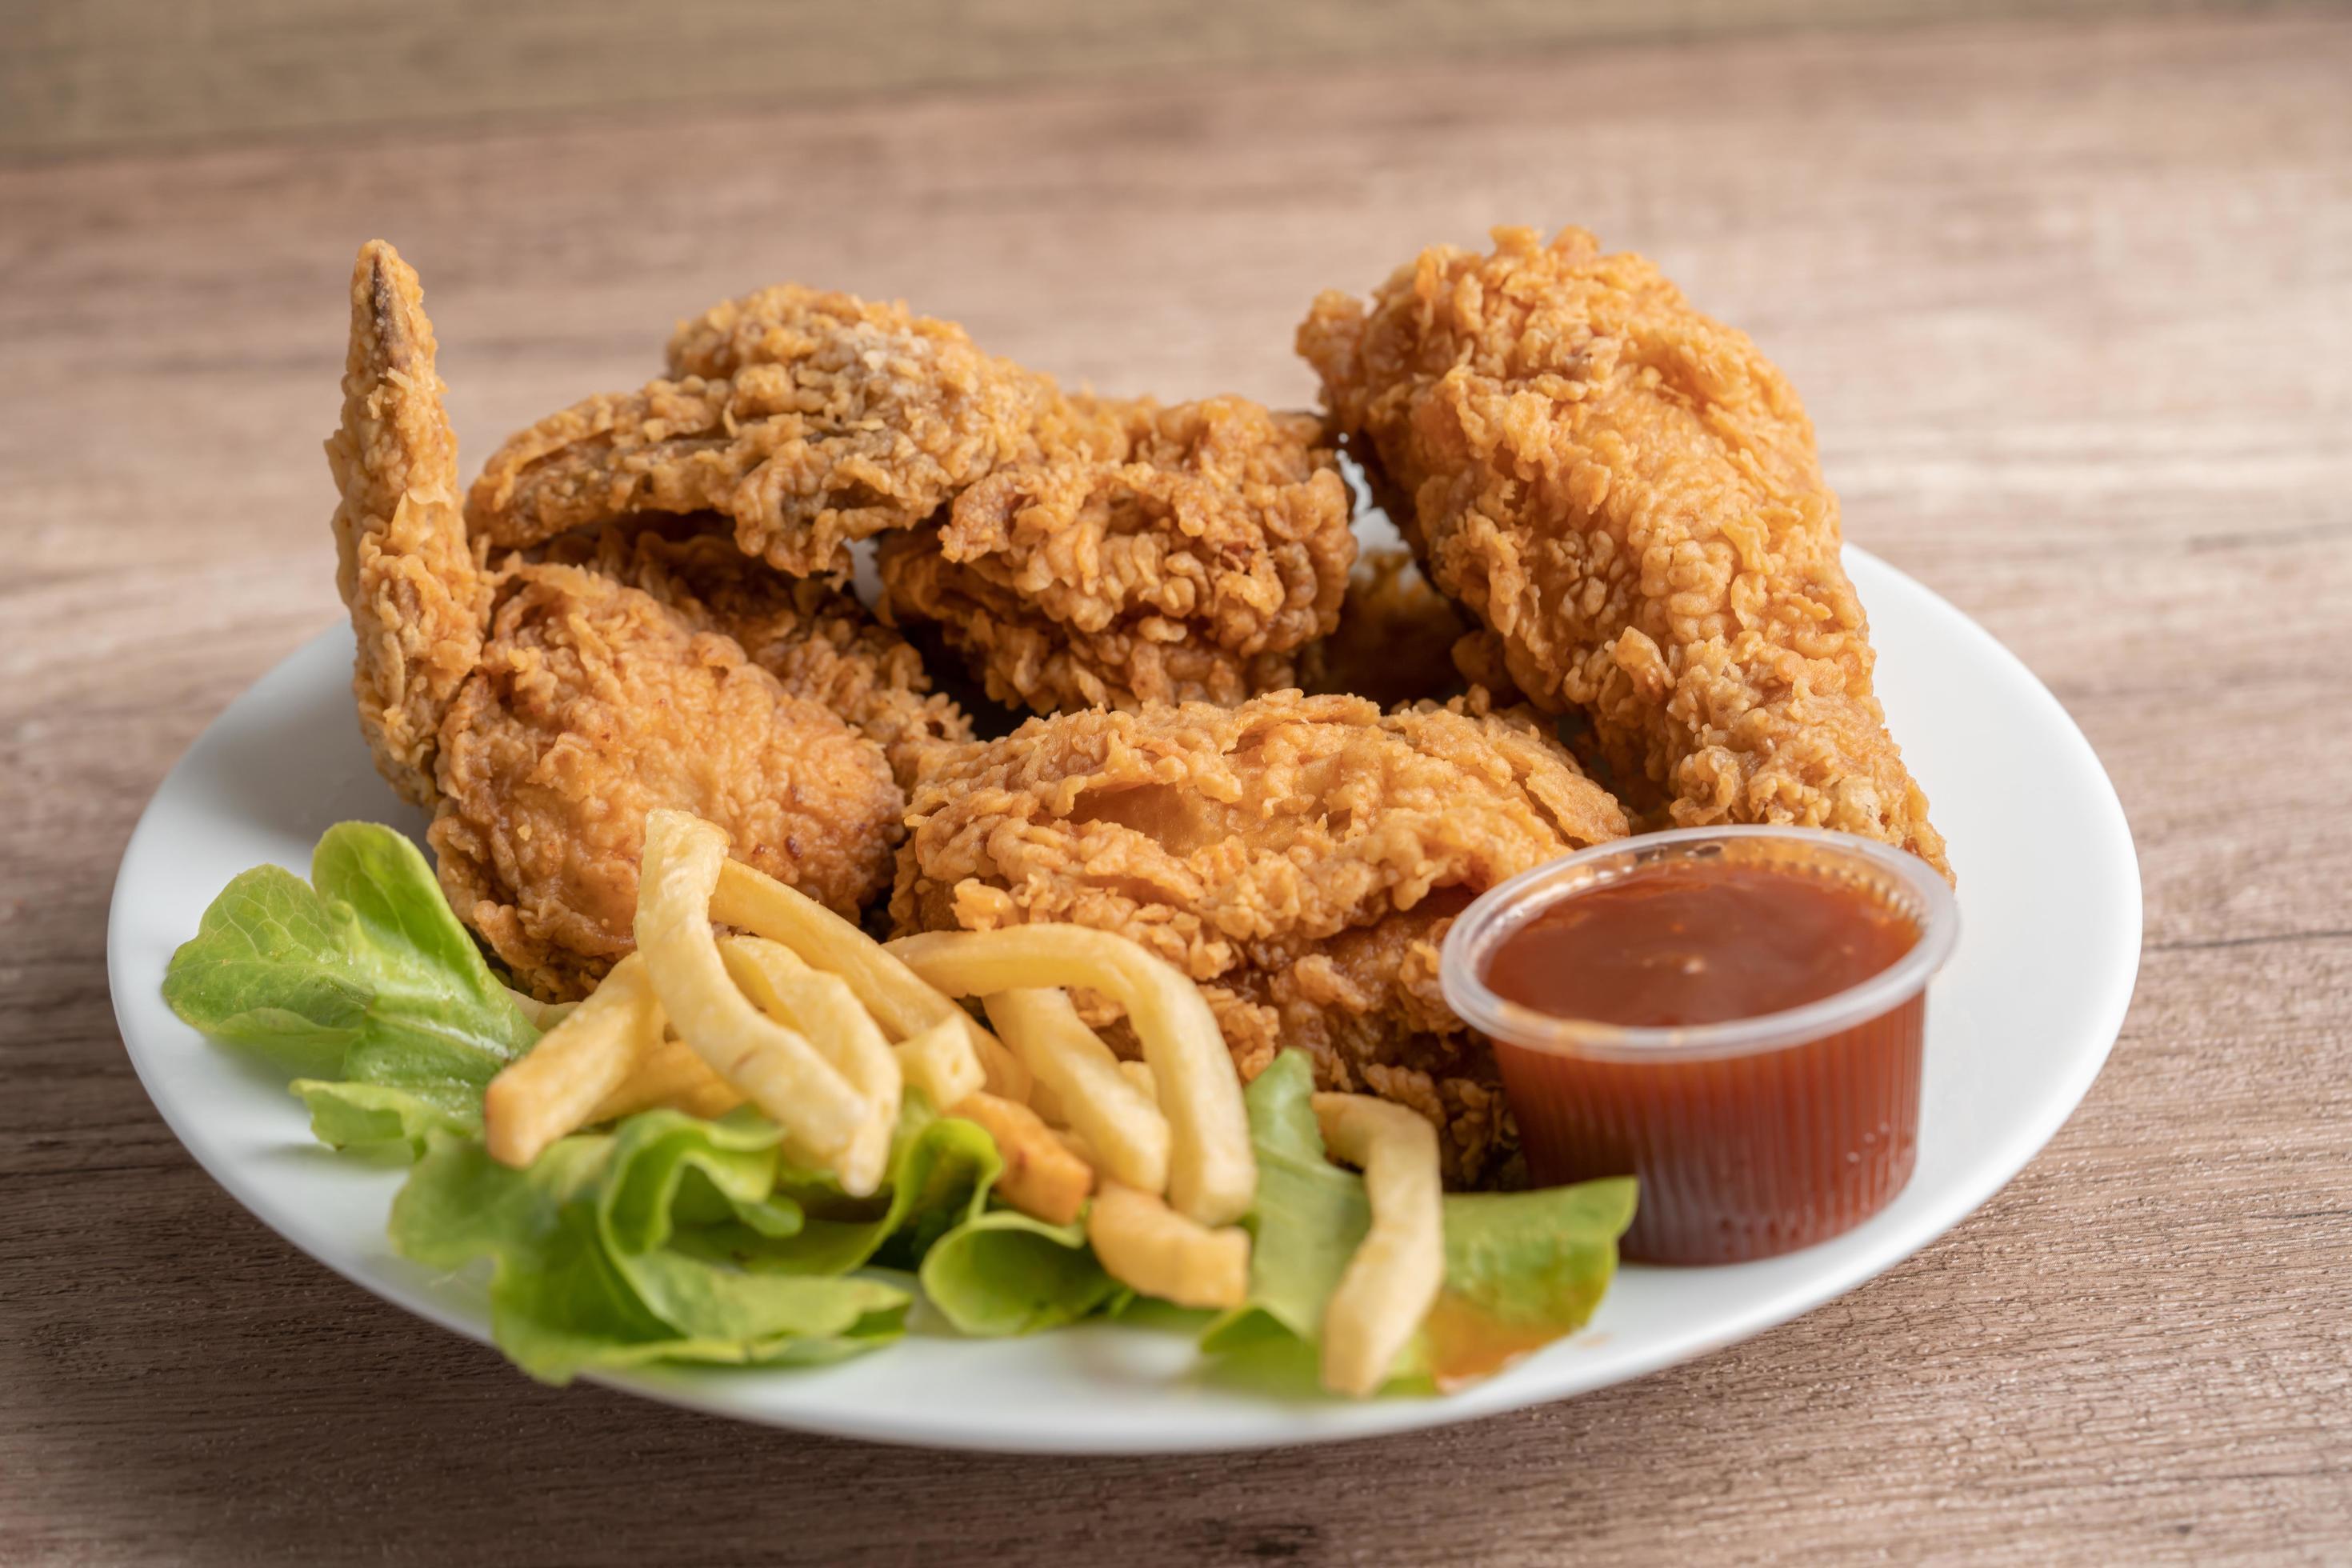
x=810 y=419
x=1192 y=565
x=1299 y=856
x=417 y=601
x=589 y=702
x=1395 y=638
x=1369 y=1001
x=597 y=702
x=1626 y=494
x=818 y=642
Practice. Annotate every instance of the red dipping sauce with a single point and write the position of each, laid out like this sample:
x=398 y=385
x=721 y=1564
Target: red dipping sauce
x=1735 y=1016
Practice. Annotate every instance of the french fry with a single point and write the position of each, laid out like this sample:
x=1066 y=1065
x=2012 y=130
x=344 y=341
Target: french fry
x=1401 y=1263
x=556 y=1088
x=1044 y=1101
x=1041 y=1177
x=942 y=1063
x=773 y=1065
x=1125 y=1128
x=822 y=1008
x=891 y=991
x=672 y=1077
x=817 y=1003
x=1149 y=1248
x=1212 y=1169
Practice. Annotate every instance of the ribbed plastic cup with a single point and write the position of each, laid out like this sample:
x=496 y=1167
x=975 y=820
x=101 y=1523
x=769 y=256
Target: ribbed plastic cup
x=1747 y=1138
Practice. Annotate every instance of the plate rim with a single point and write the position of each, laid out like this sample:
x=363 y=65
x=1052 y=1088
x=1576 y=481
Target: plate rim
x=690 y=1388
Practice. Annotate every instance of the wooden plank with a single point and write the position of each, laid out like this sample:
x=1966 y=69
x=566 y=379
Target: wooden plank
x=2068 y=304
x=81 y=74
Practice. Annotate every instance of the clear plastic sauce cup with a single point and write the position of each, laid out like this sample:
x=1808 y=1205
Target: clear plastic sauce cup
x=1750 y=1136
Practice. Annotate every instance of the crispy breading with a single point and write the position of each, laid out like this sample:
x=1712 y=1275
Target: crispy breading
x=1295 y=855
x=417 y=601
x=597 y=702
x=818 y=642
x=590 y=702
x=1626 y=494
x=810 y=419
x=1193 y=567
x=1078 y=551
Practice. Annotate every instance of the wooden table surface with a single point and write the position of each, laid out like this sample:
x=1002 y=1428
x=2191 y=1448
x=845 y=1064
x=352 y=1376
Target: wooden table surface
x=2072 y=306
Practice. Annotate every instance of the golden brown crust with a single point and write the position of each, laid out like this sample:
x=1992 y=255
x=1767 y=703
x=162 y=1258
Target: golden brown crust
x=818 y=642
x=597 y=694
x=810 y=419
x=1192 y=565
x=417 y=601
x=596 y=703
x=1282 y=852
x=1366 y=1007
x=1626 y=494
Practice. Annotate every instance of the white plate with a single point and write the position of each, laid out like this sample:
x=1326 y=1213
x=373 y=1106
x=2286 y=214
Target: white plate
x=2018 y=1027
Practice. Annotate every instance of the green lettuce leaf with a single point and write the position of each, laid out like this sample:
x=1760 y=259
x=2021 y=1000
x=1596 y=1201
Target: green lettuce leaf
x=361 y=978
x=941 y=1169
x=1003 y=1272
x=1521 y=1268
x=1307 y=1220
x=367 y=1118
x=672 y=1238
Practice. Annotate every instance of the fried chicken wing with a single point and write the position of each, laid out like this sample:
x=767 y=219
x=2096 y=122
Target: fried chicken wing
x=548 y=731
x=1193 y=564
x=1300 y=857
x=1626 y=494
x=810 y=419
x=1077 y=551
x=417 y=601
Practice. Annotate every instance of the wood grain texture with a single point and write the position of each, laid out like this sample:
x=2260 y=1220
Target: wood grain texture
x=2071 y=307
x=80 y=74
